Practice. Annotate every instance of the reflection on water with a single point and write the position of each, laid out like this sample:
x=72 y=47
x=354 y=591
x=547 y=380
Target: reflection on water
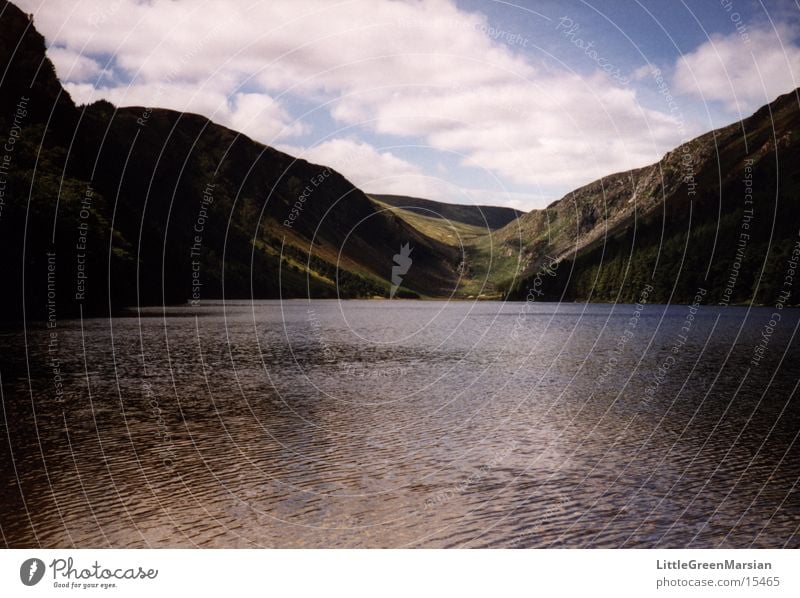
x=402 y=423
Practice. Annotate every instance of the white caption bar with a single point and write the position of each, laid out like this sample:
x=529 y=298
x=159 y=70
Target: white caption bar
x=354 y=573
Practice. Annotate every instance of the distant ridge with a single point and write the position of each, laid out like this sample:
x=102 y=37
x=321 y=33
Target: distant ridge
x=491 y=217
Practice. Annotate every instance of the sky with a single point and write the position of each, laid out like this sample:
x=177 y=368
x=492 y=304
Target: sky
x=465 y=101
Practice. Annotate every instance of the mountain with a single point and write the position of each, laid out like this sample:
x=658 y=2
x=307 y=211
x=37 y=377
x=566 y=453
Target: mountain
x=721 y=213
x=470 y=230
x=104 y=207
x=483 y=217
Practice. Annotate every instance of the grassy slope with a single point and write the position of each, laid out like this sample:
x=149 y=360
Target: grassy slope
x=481 y=262
x=677 y=241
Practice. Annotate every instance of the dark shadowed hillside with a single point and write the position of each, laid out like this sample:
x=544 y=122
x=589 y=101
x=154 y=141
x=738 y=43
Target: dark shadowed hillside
x=721 y=212
x=106 y=207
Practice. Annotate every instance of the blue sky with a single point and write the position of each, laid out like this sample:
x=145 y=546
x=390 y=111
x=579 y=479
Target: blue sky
x=469 y=101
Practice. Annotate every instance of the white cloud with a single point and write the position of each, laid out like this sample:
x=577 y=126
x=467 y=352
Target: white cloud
x=743 y=71
x=423 y=71
x=382 y=172
x=364 y=165
x=557 y=131
x=256 y=114
x=73 y=66
x=263 y=117
x=372 y=169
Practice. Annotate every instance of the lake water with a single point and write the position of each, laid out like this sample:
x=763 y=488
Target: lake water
x=403 y=424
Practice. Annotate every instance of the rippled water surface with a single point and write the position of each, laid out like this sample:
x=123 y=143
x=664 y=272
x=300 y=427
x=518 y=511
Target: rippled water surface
x=402 y=423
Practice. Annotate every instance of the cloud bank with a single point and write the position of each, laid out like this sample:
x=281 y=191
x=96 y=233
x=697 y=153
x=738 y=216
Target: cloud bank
x=291 y=73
